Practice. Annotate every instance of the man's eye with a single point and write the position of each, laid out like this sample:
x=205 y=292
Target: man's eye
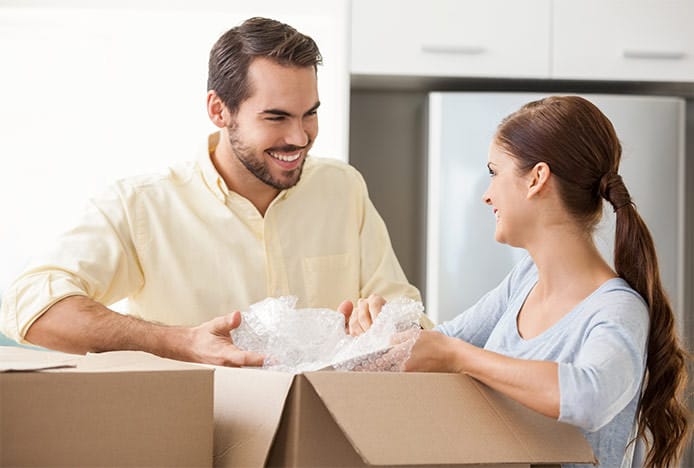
x=275 y=119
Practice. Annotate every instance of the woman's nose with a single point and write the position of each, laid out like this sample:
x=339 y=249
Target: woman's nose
x=486 y=198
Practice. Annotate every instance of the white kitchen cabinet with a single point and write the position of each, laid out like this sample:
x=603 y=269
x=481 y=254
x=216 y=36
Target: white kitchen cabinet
x=456 y=38
x=620 y=40
x=623 y=40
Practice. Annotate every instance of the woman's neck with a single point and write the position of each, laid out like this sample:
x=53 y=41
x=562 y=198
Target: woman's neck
x=568 y=263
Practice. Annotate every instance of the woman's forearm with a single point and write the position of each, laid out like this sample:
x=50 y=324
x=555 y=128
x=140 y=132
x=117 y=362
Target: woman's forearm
x=535 y=384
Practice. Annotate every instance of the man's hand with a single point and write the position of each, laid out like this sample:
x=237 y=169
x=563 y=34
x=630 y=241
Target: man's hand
x=359 y=320
x=211 y=343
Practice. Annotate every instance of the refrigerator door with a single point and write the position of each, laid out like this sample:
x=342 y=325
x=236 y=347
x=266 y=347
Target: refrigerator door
x=463 y=259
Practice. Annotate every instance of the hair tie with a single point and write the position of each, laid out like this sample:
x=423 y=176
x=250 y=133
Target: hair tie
x=613 y=190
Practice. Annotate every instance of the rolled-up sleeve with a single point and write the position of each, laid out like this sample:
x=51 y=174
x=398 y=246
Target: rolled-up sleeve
x=608 y=371
x=95 y=259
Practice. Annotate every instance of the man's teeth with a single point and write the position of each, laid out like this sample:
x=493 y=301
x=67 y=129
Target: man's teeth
x=286 y=157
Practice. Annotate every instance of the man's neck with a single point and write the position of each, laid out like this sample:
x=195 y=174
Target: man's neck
x=239 y=179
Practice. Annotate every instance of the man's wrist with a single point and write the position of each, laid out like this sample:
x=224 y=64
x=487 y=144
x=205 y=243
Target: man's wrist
x=172 y=342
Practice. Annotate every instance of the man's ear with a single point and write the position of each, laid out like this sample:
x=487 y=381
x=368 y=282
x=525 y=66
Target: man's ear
x=538 y=178
x=216 y=110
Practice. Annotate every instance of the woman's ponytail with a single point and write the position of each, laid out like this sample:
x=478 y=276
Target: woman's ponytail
x=663 y=417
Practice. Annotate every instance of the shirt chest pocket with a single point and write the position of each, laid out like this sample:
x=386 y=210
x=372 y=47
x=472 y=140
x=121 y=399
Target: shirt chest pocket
x=330 y=279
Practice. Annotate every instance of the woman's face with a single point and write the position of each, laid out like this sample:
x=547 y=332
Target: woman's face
x=507 y=195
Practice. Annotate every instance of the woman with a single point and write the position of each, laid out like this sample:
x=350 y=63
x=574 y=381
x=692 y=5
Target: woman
x=564 y=333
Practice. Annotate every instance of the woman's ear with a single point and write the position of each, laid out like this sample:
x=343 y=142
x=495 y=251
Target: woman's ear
x=538 y=178
x=216 y=110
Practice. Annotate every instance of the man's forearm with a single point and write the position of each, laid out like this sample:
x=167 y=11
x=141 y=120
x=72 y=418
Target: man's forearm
x=79 y=325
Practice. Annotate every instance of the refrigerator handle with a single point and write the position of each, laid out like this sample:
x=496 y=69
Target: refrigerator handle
x=453 y=49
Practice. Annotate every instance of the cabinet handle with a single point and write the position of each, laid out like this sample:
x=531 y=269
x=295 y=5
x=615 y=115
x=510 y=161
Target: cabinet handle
x=653 y=54
x=453 y=49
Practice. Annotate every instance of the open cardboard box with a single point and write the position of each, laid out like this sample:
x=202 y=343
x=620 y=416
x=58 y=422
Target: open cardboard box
x=327 y=418
x=135 y=409
x=111 y=409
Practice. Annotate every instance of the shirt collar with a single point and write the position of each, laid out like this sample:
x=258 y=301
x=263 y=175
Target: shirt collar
x=212 y=179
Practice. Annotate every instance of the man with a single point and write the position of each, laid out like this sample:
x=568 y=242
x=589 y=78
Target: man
x=252 y=217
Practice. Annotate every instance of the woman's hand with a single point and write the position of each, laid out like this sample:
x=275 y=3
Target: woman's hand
x=432 y=352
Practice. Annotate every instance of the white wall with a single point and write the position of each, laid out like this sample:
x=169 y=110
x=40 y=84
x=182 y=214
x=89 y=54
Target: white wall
x=90 y=92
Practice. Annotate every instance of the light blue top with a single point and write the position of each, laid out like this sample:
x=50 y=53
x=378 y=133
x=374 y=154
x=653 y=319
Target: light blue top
x=600 y=347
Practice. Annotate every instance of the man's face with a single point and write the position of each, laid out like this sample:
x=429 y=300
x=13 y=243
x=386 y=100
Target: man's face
x=274 y=129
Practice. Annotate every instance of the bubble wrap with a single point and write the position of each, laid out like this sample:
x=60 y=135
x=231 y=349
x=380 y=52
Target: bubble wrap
x=303 y=340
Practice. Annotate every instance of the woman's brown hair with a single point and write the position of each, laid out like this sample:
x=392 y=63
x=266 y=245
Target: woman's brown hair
x=581 y=147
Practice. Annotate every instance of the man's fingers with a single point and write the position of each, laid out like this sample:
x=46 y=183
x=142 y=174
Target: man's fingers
x=365 y=313
x=364 y=316
x=376 y=303
x=223 y=325
x=346 y=308
x=234 y=357
x=249 y=358
x=355 y=328
x=235 y=320
x=353 y=324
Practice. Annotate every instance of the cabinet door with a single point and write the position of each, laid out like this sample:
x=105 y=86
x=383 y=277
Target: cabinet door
x=623 y=40
x=491 y=38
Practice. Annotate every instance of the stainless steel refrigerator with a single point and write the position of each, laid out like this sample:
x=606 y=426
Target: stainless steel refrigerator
x=463 y=259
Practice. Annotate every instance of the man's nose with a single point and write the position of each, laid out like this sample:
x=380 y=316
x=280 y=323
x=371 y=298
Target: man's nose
x=297 y=135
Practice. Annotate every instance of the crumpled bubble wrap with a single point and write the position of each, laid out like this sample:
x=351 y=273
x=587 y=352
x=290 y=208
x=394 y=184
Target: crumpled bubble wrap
x=302 y=340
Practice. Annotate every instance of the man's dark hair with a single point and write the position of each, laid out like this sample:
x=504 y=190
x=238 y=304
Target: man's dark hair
x=233 y=52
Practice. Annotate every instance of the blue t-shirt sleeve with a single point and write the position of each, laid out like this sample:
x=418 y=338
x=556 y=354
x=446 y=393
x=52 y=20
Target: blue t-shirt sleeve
x=476 y=324
x=607 y=372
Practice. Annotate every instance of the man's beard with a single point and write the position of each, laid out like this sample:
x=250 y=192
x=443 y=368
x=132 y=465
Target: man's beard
x=259 y=168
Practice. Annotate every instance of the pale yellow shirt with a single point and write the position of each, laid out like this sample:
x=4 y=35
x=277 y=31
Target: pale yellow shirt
x=183 y=248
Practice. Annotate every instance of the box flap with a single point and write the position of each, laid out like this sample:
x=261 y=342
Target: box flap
x=131 y=361
x=550 y=441
x=308 y=434
x=385 y=414
x=14 y=358
x=248 y=408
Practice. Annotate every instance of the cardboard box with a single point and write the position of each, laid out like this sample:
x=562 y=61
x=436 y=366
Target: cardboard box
x=110 y=409
x=265 y=418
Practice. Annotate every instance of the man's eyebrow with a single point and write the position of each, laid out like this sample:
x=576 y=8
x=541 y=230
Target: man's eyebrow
x=283 y=113
x=275 y=112
x=314 y=108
